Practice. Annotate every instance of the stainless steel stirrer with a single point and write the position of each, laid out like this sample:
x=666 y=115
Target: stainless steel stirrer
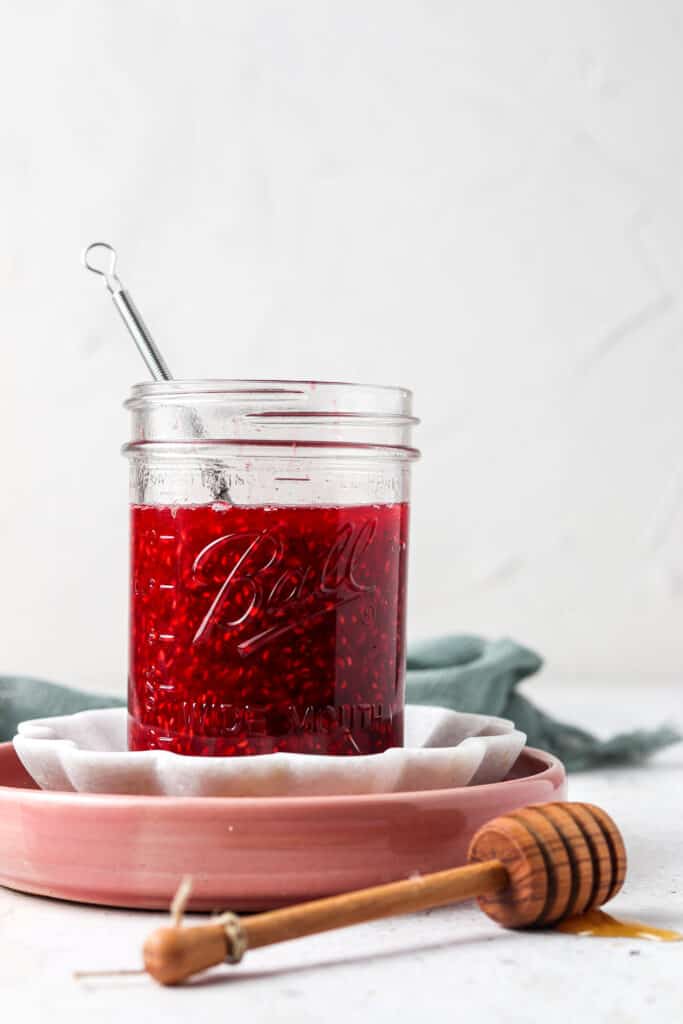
x=105 y=266
x=100 y=258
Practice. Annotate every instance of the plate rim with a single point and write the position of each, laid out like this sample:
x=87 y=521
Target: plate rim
x=554 y=771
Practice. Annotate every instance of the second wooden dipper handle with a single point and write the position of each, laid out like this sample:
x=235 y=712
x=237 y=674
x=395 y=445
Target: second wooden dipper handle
x=535 y=867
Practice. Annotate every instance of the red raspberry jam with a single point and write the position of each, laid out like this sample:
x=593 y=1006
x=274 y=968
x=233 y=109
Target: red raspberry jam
x=255 y=630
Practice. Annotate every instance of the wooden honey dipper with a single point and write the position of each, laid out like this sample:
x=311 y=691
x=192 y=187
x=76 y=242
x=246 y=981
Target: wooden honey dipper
x=531 y=868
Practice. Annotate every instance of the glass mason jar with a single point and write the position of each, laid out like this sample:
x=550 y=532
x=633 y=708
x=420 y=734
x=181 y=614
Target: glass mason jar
x=269 y=534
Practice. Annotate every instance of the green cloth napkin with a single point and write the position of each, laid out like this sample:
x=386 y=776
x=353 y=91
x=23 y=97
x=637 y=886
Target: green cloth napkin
x=466 y=673
x=469 y=673
x=22 y=697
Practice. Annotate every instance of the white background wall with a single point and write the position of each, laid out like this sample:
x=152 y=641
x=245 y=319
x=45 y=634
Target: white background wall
x=482 y=201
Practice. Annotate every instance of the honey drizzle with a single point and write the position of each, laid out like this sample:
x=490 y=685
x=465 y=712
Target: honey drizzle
x=598 y=923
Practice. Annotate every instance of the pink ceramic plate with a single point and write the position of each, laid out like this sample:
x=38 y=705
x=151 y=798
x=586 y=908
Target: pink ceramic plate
x=131 y=851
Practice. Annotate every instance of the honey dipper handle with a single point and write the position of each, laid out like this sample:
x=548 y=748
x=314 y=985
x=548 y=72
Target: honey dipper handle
x=406 y=897
x=174 y=954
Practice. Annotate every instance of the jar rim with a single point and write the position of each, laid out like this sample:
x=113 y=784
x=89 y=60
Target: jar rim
x=307 y=414
x=254 y=385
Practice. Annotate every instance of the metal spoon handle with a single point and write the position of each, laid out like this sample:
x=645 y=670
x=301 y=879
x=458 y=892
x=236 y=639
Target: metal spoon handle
x=130 y=314
x=132 y=318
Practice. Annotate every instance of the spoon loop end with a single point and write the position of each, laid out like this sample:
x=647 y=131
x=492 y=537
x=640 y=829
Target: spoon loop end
x=100 y=258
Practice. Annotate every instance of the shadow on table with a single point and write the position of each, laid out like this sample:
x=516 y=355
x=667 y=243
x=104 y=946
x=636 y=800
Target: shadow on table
x=234 y=977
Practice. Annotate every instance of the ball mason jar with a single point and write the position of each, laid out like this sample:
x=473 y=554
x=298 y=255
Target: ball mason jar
x=269 y=541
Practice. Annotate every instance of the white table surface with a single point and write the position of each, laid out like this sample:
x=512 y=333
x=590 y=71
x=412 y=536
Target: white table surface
x=444 y=965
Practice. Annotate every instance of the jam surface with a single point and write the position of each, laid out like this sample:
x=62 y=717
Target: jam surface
x=258 y=629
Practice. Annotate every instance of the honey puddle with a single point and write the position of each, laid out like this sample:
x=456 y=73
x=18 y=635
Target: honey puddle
x=597 y=922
